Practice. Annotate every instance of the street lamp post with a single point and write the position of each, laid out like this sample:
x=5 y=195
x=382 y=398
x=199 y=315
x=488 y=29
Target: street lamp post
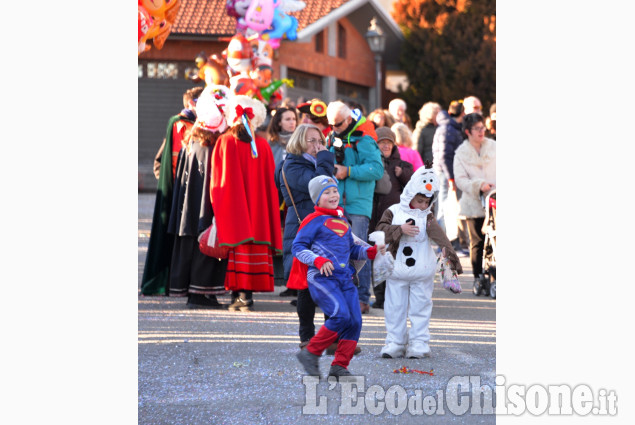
x=377 y=43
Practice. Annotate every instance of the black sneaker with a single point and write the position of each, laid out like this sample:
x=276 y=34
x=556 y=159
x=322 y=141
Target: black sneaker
x=241 y=305
x=289 y=293
x=203 y=301
x=294 y=303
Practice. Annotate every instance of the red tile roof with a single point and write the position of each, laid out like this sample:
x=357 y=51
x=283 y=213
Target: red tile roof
x=209 y=17
x=314 y=10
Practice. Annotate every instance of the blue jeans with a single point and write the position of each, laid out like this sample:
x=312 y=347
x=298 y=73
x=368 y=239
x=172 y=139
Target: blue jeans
x=359 y=227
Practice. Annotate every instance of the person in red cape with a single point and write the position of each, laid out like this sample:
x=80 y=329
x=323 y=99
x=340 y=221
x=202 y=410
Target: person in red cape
x=245 y=200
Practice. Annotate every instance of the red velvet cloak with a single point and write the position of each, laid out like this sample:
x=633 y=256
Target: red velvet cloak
x=244 y=195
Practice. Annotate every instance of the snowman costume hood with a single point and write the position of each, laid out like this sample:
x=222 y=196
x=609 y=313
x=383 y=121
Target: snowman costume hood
x=425 y=182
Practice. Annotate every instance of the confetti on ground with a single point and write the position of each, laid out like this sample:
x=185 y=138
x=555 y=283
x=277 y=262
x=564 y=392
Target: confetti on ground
x=239 y=364
x=404 y=369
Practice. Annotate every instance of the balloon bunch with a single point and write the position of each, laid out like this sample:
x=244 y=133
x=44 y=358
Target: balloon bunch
x=155 y=22
x=245 y=67
x=260 y=26
x=266 y=19
x=246 y=63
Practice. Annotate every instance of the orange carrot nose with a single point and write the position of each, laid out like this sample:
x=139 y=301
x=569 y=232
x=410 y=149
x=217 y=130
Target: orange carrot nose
x=428 y=186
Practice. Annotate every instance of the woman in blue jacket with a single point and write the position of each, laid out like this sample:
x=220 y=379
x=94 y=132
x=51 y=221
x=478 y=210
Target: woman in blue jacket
x=306 y=158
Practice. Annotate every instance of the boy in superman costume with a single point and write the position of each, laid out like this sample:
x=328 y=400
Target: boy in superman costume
x=322 y=249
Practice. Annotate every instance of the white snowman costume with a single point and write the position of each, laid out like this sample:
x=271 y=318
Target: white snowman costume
x=409 y=289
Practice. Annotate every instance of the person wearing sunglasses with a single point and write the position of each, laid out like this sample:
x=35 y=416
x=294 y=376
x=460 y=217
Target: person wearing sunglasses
x=358 y=165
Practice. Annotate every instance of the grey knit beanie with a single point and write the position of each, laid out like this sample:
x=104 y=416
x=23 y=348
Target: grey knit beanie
x=319 y=184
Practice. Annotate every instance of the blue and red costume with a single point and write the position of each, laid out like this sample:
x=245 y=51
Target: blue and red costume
x=324 y=236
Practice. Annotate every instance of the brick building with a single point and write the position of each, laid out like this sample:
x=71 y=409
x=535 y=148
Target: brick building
x=330 y=59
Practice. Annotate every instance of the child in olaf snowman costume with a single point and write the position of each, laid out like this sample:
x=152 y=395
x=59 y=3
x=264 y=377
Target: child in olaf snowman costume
x=409 y=226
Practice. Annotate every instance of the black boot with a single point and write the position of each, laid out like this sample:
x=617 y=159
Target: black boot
x=203 y=301
x=380 y=294
x=289 y=293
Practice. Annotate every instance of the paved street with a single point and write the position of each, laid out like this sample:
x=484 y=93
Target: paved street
x=220 y=367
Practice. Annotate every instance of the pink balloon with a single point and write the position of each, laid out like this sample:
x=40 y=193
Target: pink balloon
x=259 y=15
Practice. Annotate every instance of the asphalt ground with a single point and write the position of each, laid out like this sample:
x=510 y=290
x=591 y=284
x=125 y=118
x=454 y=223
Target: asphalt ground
x=221 y=367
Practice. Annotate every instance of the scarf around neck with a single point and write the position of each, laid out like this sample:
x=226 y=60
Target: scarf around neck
x=310 y=158
x=347 y=130
x=284 y=136
x=338 y=212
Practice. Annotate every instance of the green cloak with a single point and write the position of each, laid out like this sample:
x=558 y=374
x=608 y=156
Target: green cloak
x=156 y=272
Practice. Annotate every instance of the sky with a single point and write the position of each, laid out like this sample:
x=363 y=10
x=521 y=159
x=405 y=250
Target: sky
x=386 y=3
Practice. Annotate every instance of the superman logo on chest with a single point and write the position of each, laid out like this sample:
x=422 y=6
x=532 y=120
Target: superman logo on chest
x=337 y=226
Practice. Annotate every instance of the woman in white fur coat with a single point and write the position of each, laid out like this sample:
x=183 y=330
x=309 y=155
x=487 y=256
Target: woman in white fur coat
x=475 y=175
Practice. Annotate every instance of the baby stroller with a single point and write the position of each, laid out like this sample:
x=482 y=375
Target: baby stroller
x=486 y=283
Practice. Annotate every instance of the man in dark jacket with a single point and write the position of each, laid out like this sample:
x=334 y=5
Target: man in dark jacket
x=447 y=138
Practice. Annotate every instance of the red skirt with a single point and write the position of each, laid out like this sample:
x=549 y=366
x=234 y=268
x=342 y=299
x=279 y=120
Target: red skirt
x=250 y=268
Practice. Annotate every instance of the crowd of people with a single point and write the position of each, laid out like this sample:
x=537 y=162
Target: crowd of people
x=239 y=186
